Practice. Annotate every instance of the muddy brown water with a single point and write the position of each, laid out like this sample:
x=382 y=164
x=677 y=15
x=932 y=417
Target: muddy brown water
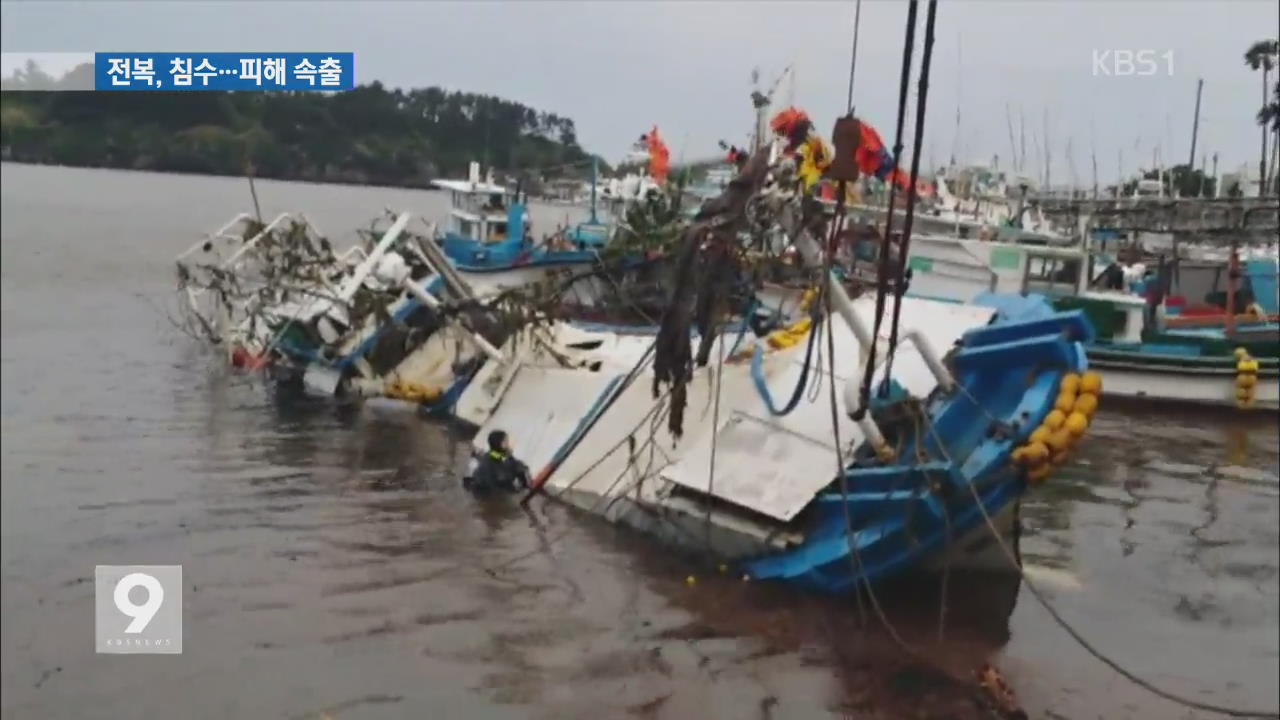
x=334 y=568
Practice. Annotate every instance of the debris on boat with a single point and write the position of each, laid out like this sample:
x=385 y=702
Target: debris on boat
x=387 y=317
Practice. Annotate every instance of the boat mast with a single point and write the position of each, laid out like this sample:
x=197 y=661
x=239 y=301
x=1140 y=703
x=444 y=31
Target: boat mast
x=595 y=171
x=1093 y=156
x=1233 y=272
x=1217 y=186
x=1017 y=167
x=1195 y=127
x=1071 y=165
x=1022 y=140
x=959 y=96
x=1119 y=171
x=1046 y=150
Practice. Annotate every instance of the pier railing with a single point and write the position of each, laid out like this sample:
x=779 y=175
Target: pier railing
x=1206 y=218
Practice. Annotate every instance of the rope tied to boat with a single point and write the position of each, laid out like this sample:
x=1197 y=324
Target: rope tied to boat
x=882 y=273
x=899 y=285
x=1075 y=634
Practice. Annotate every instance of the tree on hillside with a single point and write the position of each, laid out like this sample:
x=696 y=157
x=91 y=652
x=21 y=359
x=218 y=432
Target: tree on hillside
x=371 y=134
x=28 y=77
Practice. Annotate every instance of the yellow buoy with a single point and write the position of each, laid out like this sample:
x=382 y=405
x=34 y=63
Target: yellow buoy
x=1037 y=453
x=1055 y=418
x=1040 y=435
x=1091 y=382
x=1246 y=380
x=1019 y=456
x=1077 y=422
x=1086 y=405
x=1065 y=402
x=1244 y=393
x=1059 y=441
x=1241 y=353
x=1247 y=366
x=1070 y=383
x=691 y=580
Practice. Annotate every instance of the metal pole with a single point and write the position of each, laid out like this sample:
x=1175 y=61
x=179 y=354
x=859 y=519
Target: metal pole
x=478 y=340
x=853 y=63
x=1195 y=127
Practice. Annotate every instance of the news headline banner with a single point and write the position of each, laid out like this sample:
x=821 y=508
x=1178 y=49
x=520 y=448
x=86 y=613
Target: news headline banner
x=196 y=72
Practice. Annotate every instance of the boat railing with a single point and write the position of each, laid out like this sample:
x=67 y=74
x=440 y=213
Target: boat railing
x=843 y=306
x=227 y=236
x=253 y=242
x=222 y=233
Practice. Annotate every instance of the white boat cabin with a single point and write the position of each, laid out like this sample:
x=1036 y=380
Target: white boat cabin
x=479 y=209
x=955 y=269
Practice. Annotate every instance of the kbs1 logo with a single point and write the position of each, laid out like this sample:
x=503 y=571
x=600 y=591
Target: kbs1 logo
x=1132 y=63
x=138 y=609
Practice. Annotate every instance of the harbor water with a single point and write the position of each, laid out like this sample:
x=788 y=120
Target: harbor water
x=334 y=567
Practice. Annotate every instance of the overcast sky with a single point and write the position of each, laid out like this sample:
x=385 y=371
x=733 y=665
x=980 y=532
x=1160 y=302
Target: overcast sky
x=618 y=68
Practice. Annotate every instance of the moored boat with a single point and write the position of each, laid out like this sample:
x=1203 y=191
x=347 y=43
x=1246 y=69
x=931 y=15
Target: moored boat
x=1151 y=347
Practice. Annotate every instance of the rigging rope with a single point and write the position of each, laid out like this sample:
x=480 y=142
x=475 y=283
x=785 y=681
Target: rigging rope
x=853 y=62
x=899 y=284
x=757 y=370
x=864 y=393
x=1075 y=634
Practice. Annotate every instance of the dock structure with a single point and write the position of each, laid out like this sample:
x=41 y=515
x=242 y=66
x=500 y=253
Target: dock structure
x=1203 y=218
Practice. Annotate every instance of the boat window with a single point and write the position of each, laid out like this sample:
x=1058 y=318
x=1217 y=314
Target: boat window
x=1051 y=273
x=497 y=231
x=468 y=228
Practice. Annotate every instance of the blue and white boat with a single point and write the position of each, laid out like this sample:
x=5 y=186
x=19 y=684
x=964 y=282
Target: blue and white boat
x=489 y=237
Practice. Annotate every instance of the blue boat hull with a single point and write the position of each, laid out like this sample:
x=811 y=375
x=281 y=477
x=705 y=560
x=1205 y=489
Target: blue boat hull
x=900 y=516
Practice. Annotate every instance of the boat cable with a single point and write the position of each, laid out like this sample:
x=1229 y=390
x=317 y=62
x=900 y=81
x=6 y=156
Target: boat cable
x=815 y=388
x=1130 y=675
x=629 y=436
x=587 y=423
x=715 y=440
x=746 y=325
x=623 y=295
x=882 y=273
x=758 y=377
x=853 y=62
x=836 y=225
x=900 y=282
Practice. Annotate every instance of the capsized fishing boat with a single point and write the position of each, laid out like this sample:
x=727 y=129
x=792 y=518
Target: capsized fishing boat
x=362 y=323
x=714 y=464
x=1149 y=346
